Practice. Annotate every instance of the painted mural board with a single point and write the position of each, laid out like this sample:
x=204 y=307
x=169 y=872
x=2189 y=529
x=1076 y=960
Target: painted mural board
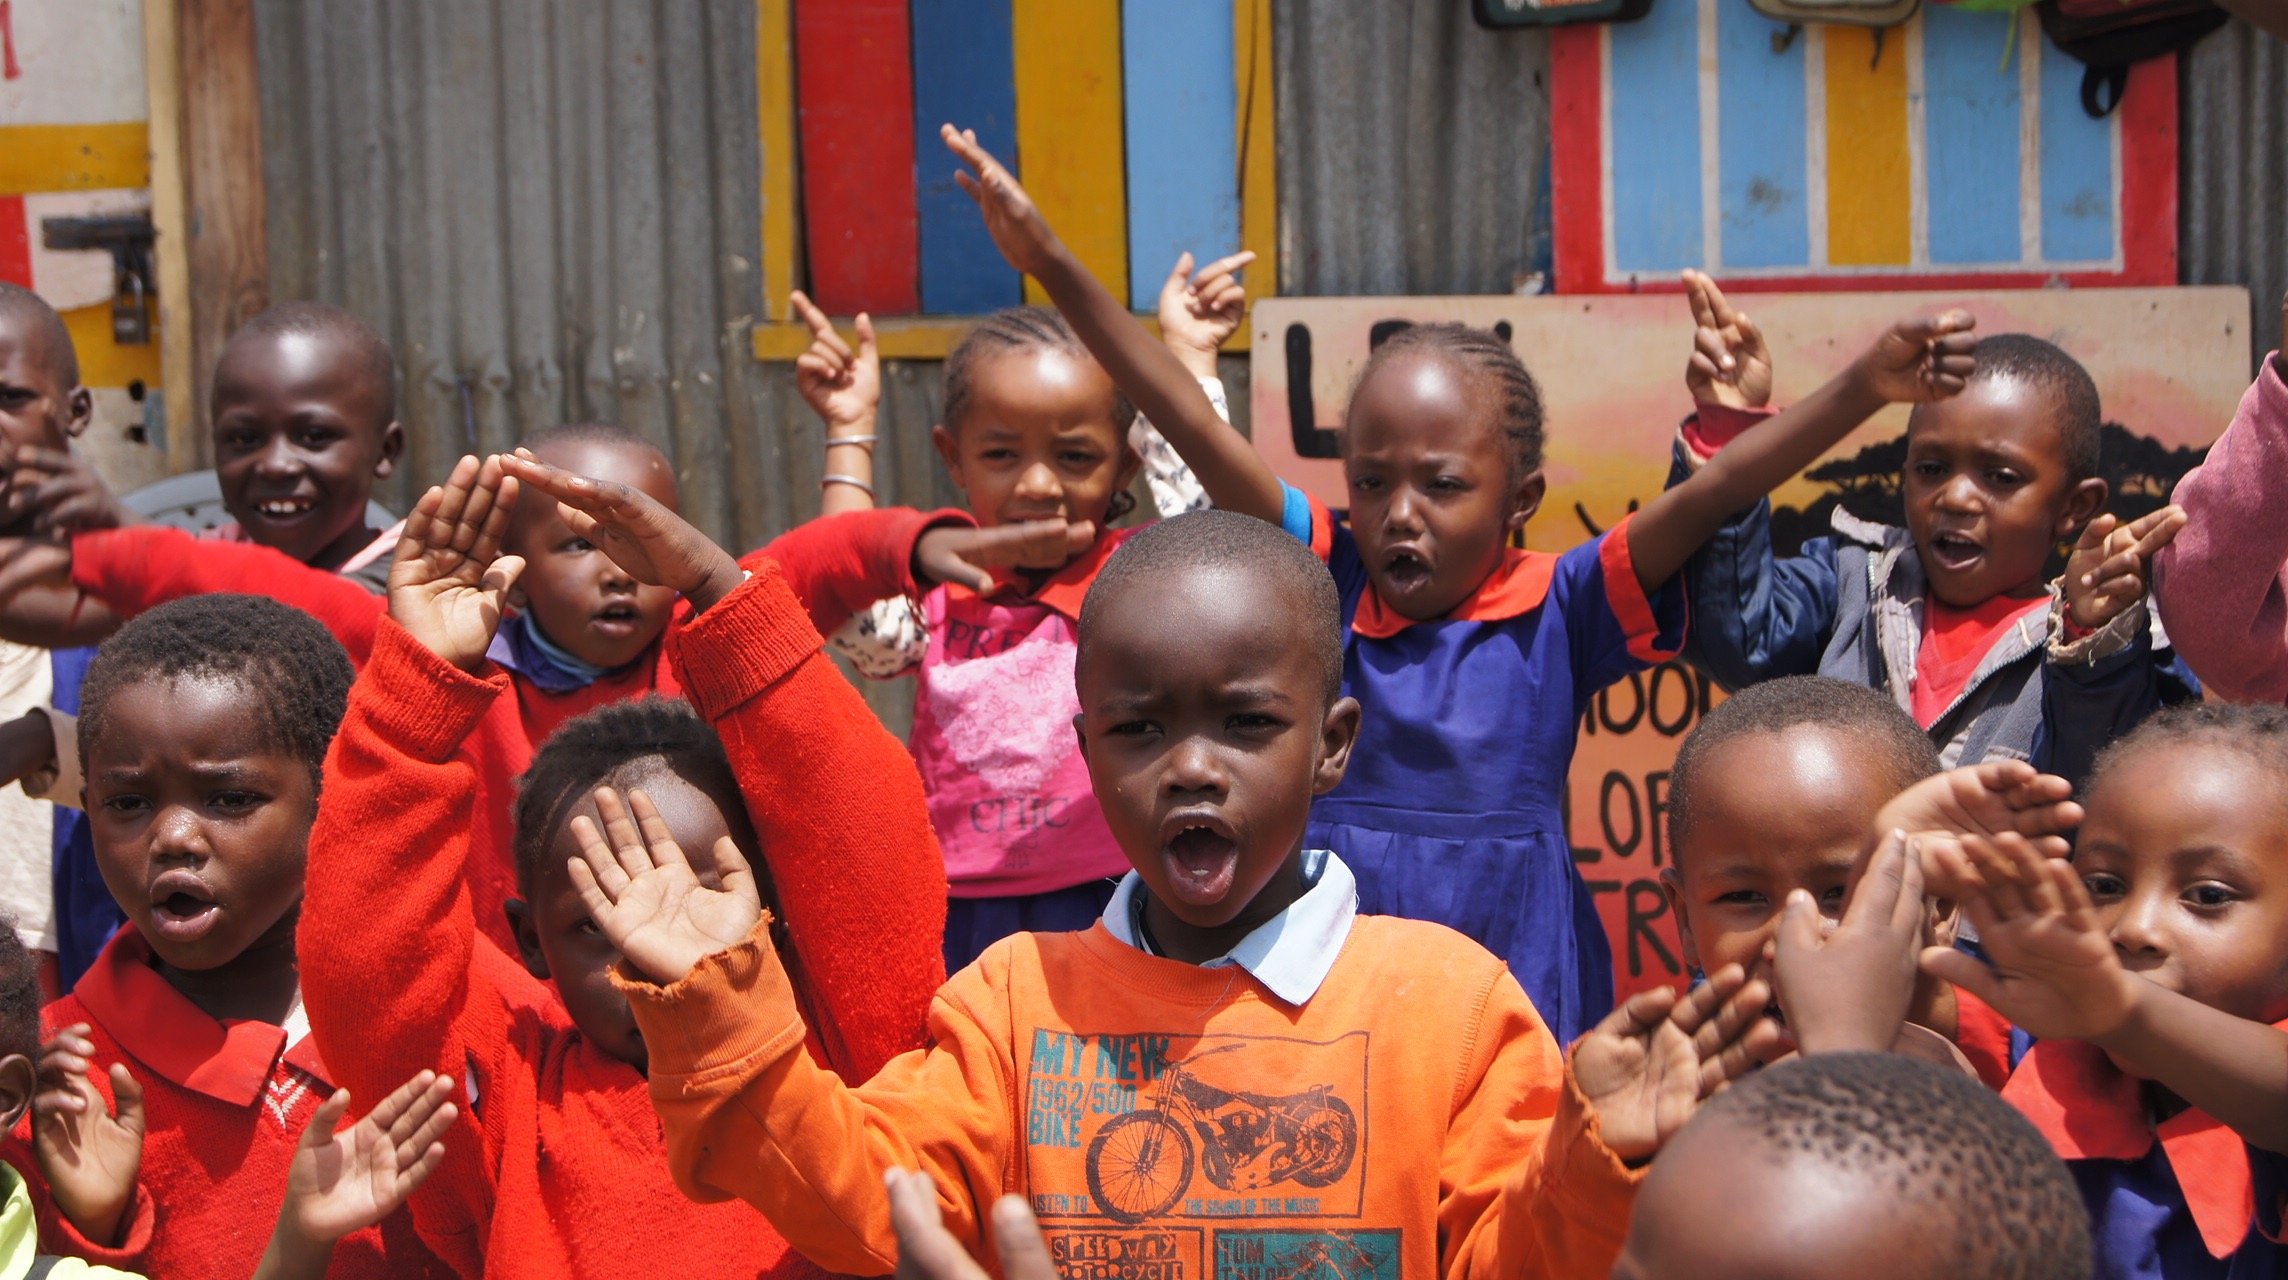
x=2170 y=364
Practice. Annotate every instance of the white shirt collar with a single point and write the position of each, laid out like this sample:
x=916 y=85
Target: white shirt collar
x=1292 y=952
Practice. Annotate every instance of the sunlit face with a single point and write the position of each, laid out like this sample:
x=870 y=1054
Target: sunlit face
x=37 y=411
x=1433 y=490
x=301 y=432
x=2185 y=852
x=581 y=599
x=1988 y=493
x=1038 y=440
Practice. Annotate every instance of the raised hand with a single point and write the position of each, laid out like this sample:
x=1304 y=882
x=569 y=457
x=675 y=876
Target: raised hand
x=641 y=891
x=1848 y=987
x=1200 y=311
x=2054 y=971
x=58 y=490
x=2112 y=563
x=1926 y=358
x=653 y=544
x=344 y=1180
x=927 y=1251
x=450 y=581
x=88 y=1153
x=1018 y=229
x=959 y=553
x=1984 y=800
x=1649 y=1064
x=1730 y=364
x=841 y=385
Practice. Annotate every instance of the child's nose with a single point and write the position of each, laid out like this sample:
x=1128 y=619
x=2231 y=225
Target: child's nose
x=1039 y=481
x=1193 y=767
x=2137 y=932
x=277 y=458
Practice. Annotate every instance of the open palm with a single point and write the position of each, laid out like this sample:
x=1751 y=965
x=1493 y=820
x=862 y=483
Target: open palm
x=88 y=1153
x=450 y=581
x=641 y=890
x=1647 y=1066
x=653 y=544
x=2053 y=968
x=346 y=1180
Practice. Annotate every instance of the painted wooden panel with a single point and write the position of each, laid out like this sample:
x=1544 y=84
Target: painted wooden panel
x=1655 y=128
x=1975 y=162
x=1765 y=216
x=856 y=121
x=1070 y=135
x=1870 y=175
x=965 y=75
x=1183 y=145
x=2078 y=188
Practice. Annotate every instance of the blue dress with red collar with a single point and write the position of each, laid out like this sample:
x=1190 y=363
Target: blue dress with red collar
x=1453 y=808
x=2181 y=1199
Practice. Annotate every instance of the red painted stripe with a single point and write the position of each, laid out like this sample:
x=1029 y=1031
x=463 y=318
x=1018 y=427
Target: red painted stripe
x=15 y=242
x=2148 y=115
x=854 y=92
x=1576 y=158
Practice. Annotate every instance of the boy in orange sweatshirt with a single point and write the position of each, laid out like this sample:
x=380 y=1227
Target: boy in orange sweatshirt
x=1232 y=1069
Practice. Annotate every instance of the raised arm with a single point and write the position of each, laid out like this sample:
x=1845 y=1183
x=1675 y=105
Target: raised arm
x=1916 y=360
x=844 y=388
x=1235 y=476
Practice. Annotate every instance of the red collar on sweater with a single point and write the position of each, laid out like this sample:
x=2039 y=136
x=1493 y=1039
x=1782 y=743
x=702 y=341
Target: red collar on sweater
x=228 y=1061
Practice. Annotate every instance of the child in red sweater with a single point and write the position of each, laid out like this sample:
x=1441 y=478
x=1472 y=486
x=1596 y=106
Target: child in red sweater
x=1188 y=1081
x=564 y=1170
x=203 y=730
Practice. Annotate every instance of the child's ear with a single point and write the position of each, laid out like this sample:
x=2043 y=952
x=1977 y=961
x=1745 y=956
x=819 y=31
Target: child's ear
x=949 y=449
x=1672 y=888
x=2083 y=502
x=1131 y=462
x=1338 y=733
x=527 y=937
x=19 y=1080
x=1080 y=718
x=81 y=405
x=1525 y=500
x=392 y=448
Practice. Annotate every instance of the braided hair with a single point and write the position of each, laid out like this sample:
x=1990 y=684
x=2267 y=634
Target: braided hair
x=1488 y=355
x=1014 y=329
x=638 y=738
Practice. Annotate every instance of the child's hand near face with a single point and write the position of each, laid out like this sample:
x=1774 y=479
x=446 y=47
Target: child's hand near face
x=927 y=1251
x=1926 y=358
x=59 y=490
x=2112 y=564
x=1199 y=312
x=1846 y=987
x=346 y=1180
x=653 y=544
x=642 y=892
x=842 y=386
x=450 y=581
x=1730 y=364
x=88 y=1153
x=1649 y=1064
x=2054 y=971
x=959 y=553
x=1982 y=800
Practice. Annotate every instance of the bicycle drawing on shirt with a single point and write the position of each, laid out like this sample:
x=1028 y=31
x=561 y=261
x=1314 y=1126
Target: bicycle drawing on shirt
x=1141 y=1164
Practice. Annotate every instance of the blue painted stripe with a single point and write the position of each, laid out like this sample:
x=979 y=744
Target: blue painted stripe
x=1183 y=137
x=2077 y=167
x=1760 y=147
x=1970 y=135
x=964 y=72
x=1655 y=132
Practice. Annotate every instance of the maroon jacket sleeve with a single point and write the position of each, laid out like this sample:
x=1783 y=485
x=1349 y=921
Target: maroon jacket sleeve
x=839 y=565
x=140 y=567
x=838 y=807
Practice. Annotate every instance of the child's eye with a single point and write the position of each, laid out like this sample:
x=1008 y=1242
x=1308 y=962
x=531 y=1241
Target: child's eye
x=586 y=928
x=1080 y=461
x=15 y=397
x=1929 y=469
x=1831 y=901
x=1131 y=728
x=576 y=546
x=999 y=455
x=1365 y=484
x=235 y=800
x=126 y=803
x=1742 y=898
x=237 y=441
x=1448 y=484
x=2004 y=479
x=2211 y=895
x=1253 y=723
x=316 y=438
x=2103 y=887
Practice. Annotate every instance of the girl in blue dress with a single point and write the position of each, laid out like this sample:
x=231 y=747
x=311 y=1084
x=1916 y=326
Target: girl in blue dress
x=1472 y=660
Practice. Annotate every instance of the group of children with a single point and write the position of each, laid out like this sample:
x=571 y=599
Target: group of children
x=1239 y=833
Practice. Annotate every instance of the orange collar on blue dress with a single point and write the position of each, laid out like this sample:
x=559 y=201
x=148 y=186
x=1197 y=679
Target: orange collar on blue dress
x=1064 y=589
x=1515 y=588
x=2090 y=1109
x=228 y=1061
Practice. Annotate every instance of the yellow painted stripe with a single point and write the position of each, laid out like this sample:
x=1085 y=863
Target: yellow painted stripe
x=1869 y=200
x=102 y=362
x=73 y=157
x=1071 y=149
x=1258 y=156
x=774 y=98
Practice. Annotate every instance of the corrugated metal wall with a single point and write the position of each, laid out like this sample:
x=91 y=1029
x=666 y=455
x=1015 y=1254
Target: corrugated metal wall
x=2233 y=192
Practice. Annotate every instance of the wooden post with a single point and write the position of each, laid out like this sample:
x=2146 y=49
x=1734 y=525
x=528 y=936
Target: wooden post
x=163 y=84
x=222 y=233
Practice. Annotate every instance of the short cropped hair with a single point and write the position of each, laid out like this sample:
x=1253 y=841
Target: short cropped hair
x=1993 y=1194
x=1223 y=540
x=2258 y=732
x=297 y=678
x=2071 y=391
x=45 y=330
x=19 y=995
x=592 y=748
x=1894 y=742
x=323 y=320
x=1016 y=329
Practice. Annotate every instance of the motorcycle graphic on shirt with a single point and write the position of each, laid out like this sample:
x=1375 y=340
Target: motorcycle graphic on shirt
x=1141 y=1164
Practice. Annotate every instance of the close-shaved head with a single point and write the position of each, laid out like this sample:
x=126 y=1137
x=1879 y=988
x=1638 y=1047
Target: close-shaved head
x=27 y=317
x=370 y=356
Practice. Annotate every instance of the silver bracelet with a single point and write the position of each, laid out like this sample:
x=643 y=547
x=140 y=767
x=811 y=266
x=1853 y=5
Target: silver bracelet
x=853 y=481
x=866 y=441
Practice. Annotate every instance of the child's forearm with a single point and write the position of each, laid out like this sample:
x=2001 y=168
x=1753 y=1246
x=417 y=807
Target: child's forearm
x=1234 y=475
x=838 y=565
x=140 y=567
x=1665 y=534
x=2231 y=1068
x=293 y=1256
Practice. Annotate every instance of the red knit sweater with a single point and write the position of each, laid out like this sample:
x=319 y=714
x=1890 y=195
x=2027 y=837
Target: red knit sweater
x=563 y=1170
x=144 y=566
x=224 y=1105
